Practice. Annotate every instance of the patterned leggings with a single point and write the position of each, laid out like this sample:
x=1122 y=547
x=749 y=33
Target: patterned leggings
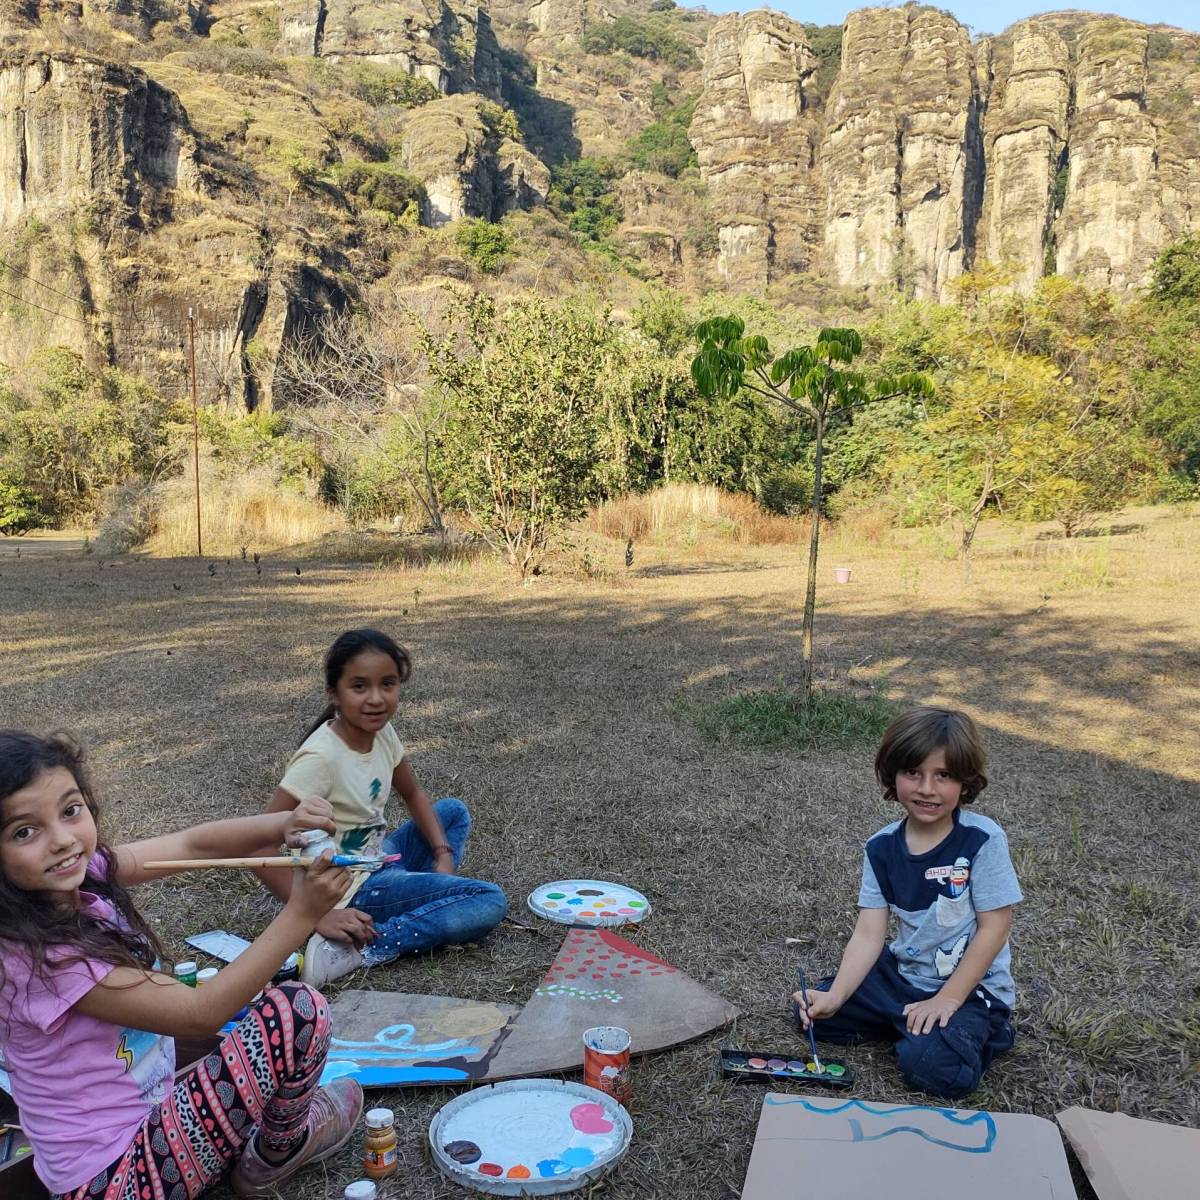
x=261 y=1077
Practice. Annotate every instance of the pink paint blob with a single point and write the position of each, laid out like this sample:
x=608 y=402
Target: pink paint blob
x=590 y=1118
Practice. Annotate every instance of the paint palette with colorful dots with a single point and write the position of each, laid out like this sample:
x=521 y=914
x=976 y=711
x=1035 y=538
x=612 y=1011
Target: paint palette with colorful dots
x=590 y=902
x=764 y=1066
x=530 y=1137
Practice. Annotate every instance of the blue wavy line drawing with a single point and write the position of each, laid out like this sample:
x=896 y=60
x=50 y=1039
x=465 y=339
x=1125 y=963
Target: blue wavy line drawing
x=856 y=1129
x=395 y=1041
x=382 y=1076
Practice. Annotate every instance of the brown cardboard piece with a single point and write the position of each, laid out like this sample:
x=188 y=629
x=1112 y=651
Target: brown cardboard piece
x=1128 y=1159
x=809 y=1146
x=598 y=978
x=397 y=1039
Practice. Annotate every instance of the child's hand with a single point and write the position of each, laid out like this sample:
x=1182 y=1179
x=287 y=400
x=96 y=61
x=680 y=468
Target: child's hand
x=926 y=1015
x=347 y=925
x=820 y=1005
x=318 y=889
x=313 y=812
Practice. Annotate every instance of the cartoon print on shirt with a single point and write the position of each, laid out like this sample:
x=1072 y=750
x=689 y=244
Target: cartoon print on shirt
x=960 y=875
x=946 y=961
x=147 y=1062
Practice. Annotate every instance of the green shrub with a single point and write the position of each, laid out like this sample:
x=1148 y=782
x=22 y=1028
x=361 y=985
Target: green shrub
x=486 y=244
x=643 y=37
x=378 y=85
x=1177 y=271
x=665 y=146
x=581 y=192
x=380 y=186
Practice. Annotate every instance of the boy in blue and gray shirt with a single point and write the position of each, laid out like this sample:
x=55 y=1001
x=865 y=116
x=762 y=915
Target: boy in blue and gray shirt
x=942 y=989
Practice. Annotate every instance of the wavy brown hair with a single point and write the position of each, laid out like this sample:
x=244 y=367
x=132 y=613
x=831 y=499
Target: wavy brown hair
x=914 y=735
x=29 y=922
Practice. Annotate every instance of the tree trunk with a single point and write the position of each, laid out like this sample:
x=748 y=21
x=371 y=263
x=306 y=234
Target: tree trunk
x=810 y=595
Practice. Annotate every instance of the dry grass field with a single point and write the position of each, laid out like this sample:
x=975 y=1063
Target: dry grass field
x=557 y=712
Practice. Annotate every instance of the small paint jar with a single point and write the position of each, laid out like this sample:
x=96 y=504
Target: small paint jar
x=361 y=1189
x=206 y=976
x=606 y=1061
x=185 y=972
x=380 y=1152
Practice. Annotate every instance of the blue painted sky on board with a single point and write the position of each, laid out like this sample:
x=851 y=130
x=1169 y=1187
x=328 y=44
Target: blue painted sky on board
x=983 y=16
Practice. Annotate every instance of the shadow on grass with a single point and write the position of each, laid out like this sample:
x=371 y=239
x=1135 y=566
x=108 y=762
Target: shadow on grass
x=554 y=713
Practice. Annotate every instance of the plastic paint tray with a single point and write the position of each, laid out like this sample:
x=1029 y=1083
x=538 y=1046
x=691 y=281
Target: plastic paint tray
x=529 y=1137
x=590 y=902
x=762 y=1066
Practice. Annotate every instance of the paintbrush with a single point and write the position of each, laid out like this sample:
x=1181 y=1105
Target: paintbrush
x=353 y=861
x=812 y=1037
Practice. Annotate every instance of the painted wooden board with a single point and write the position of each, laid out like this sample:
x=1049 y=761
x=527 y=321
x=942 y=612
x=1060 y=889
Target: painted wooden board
x=1128 y=1159
x=598 y=978
x=396 y=1039
x=845 y=1149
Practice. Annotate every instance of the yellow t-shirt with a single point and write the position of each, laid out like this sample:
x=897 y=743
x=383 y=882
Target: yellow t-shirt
x=356 y=784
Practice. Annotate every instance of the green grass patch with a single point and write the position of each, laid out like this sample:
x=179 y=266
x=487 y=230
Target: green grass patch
x=779 y=718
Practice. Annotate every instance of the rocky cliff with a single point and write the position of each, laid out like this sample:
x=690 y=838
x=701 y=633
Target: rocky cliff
x=1067 y=144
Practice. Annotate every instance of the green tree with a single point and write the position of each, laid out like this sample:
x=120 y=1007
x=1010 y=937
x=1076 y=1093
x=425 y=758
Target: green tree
x=486 y=244
x=1177 y=271
x=813 y=382
x=664 y=145
x=527 y=388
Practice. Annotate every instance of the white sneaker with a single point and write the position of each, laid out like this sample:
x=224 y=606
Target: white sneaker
x=325 y=960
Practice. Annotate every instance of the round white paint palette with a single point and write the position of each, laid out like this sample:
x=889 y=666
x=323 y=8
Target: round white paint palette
x=530 y=1137
x=590 y=902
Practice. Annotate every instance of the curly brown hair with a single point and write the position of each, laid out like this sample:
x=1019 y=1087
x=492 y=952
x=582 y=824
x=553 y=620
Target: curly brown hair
x=916 y=734
x=29 y=922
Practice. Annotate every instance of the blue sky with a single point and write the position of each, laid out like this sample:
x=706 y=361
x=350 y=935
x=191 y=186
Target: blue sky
x=983 y=16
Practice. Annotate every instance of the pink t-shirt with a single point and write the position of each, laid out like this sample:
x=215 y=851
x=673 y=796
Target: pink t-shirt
x=83 y=1087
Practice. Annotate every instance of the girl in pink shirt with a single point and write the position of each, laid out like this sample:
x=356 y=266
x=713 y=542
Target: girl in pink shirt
x=87 y=1019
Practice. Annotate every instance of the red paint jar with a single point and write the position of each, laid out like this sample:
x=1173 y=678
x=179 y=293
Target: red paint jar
x=606 y=1061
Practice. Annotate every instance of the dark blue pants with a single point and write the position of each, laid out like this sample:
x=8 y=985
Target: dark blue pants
x=946 y=1062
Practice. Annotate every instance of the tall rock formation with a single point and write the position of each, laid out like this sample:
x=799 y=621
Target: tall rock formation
x=1112 y=222
x=1069 y=143
x=1025 y=139
x=901 y=156
x=756 y=131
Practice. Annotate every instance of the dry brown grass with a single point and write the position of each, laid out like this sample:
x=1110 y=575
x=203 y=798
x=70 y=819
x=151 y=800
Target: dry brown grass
x=553 y=710
x=246 y=511
x=691 y=513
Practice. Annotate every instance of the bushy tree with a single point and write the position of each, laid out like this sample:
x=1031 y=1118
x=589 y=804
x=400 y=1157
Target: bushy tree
x=485 y=243
x=521 y=446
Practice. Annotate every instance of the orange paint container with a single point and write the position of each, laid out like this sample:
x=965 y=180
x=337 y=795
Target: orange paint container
x=606 y=1061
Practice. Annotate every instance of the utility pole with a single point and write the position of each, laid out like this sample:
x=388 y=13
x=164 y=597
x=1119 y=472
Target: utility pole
x=195 y=422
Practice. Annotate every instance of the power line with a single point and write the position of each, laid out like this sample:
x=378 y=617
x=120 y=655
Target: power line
x=25 y=275
x=52 y=312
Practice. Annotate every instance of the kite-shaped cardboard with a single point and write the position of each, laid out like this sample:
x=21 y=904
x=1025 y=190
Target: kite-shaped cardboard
x=1128 y=1159
x=858 y=1149
x=394 y=1039
x=598 y=978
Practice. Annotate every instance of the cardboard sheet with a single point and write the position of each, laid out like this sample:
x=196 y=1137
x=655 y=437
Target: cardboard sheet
x=836 y=1149
x=1128 y=1159
x=598 y=978
x=394 y=1039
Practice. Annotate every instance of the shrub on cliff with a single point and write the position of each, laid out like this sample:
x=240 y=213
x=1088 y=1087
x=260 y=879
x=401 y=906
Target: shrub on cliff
x=485 y=243
x=642 y=36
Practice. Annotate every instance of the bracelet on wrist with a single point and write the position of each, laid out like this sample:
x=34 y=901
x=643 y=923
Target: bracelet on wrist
x=442 y=849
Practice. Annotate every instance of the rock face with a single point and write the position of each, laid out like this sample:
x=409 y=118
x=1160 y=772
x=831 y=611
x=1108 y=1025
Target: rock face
x=756 y=135
x=1070 y=143
x=467 y=164
x=77 y=132
x=901 y=153
x=1026 y=134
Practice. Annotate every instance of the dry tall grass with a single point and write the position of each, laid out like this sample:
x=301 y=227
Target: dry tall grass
x=250 y=511
x=689 y=512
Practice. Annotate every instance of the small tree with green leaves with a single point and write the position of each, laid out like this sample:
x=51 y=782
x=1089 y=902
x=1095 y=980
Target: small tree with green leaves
x=813 y=382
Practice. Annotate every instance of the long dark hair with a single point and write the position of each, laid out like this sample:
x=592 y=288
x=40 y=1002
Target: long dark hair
x=351 y=644
x=29 y=921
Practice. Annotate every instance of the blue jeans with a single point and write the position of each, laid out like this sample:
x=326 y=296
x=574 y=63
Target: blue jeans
x=946 y=1062
x=415 y=908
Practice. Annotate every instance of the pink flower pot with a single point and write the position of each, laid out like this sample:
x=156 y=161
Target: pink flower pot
x=841 y=574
